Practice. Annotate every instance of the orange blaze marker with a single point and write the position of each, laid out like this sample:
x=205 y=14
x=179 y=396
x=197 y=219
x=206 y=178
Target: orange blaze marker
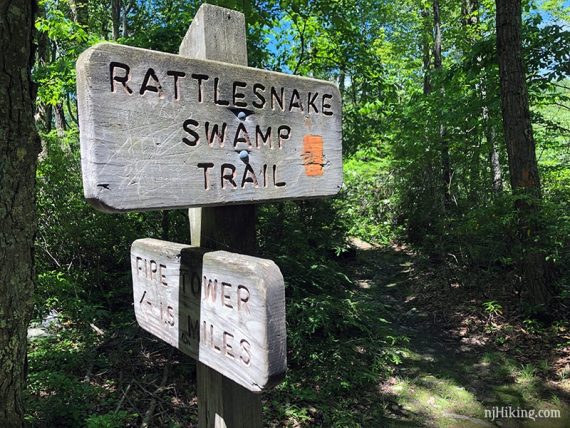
x=313 y=155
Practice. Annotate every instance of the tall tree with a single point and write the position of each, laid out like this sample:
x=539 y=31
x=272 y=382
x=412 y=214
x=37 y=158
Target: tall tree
x=521 y=151
x=426 y=51
x=470 y=12
x=116 y=18
x=80 y=11
x=444 y=144
x=44 y=111
x=19 y=147
x=472 y=28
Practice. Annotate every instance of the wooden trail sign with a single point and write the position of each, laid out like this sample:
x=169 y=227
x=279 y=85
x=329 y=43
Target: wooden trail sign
x=163 y=131
x=219 y=34
x=223 y=309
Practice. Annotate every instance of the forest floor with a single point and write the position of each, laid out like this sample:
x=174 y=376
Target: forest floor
x=461 y=353
x=464 y=356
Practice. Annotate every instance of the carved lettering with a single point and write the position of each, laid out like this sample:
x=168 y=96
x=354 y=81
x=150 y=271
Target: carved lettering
x=239 y=138
x=249 y=177
x=167 y=314
x=153 y=269
x=222 y=91
x=258 y=88
x=239 y=95
x=139 y=267
x=227 y=343
x=217 y=95
x=184 y=274
x=226 y=297
x=231 y=297
x=209 y=289
x=195 y=136
x=284 y=133
x=206 y=166
x=215 y=346
x=265 y=176
x=220 y=135
x=161 y=275
x=295 y=101
x=220 y=341
x=243 y=298
x=229 y=172
x=193 y=328
x=225 y=310
x=228 y=176
x=276 y=97
x=326 y=106
x=200 y=78
x=146 y=86
x=216 y=133
x=275 y=182
x=246 y=352
x=311 y=102
x=121 y=79
x=195 y=284
x=176 y=75
x=265 y=138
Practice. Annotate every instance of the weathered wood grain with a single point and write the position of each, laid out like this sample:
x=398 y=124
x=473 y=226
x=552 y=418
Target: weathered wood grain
x=219 y=34
x=216 y=34
x=224 y=309
x=144 y=142
x=221 y=401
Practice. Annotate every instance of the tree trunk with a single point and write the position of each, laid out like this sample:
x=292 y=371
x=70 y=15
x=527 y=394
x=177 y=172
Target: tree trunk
x=44 y=115
x=523 y=166
x=468 y=9
x=353 y=90
x=44 y=111
x=116 y=18
x=444 y=144
x=19 y=147
x=342 y=83
x=60 y=122
x=470 y=20
x=437 y=61
x=494 y=160
x=126 y=10
x=80 y=11
x=426 y=51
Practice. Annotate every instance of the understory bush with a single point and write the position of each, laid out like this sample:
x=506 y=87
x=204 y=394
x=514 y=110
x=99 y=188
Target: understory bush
x=366 y=203
x=82 y=255
x=340 y=345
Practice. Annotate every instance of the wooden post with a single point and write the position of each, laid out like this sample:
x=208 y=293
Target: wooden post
x=140 y=117
x=219 y=34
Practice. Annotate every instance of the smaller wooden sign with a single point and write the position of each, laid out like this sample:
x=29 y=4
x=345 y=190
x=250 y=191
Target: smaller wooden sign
x=224 y=309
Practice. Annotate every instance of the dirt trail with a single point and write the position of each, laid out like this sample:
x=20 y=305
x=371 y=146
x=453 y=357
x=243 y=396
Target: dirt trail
x=446 y=380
